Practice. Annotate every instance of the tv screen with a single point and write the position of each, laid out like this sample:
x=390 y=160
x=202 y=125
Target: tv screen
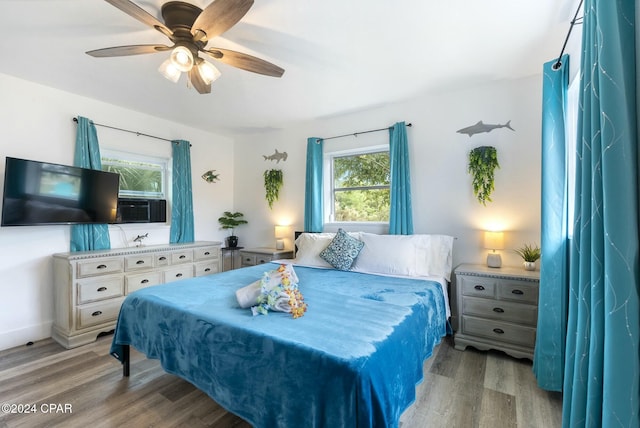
x=39 y=193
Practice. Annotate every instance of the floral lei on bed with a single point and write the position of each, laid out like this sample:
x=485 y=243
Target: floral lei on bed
x=285 y=293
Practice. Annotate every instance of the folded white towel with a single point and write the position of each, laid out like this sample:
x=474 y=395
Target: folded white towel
x=282 y=303
x=248 y=296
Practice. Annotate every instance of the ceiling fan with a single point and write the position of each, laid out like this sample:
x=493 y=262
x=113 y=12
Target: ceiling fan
x=190 y=28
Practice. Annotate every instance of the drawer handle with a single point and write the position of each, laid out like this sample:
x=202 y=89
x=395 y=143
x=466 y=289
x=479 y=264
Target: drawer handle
x=518 y=292
x=144 y=281
x=182 y=256
x=207 y=269
x=498 y=330
x=96 y=314
x=102 y=289
x=206 y=253
x=498 y=310
x=479 y=287
x=178 y=275
x=101 y=267
x=163 y=258
x=140 y=262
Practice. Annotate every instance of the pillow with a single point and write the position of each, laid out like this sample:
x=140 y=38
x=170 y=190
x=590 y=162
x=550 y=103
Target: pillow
x=342 y=251
x=309 y=246
x=387 y=254
x=434 y=255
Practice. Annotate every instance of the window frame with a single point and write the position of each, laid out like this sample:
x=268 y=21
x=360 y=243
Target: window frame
x=165 y=167
x=328 y=183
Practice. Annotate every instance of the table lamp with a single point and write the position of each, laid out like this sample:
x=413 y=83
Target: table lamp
x=281 y=234
x=494 y=241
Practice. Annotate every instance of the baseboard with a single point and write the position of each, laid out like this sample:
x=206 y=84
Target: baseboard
x=22 y=336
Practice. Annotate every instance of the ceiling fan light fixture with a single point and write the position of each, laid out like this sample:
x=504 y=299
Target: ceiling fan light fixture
x=169 y=71
x=182 y=58
x=208 y=72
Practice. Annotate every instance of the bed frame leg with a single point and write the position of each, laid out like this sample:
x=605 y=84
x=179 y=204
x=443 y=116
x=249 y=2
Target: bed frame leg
x=125 y=360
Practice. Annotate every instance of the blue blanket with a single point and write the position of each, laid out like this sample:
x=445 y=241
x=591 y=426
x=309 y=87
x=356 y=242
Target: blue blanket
x=353 y=359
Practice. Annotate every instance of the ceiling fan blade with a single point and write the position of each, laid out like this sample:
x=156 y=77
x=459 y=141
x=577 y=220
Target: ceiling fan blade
x=128 y=50
x=141 y=15
x=219 y=16
x=198 y=83
x=245 y=62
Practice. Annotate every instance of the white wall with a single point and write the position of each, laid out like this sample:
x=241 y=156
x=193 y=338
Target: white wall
x=443 y=201
x=36 y=123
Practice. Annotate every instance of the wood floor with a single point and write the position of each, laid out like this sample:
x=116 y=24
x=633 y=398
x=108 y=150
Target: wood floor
x=84 y=387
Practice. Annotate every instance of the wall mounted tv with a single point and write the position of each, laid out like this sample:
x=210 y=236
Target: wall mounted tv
x=40 y=193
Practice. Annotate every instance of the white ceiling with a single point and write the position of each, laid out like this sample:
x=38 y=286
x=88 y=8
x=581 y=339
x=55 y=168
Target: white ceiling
x=339 y=55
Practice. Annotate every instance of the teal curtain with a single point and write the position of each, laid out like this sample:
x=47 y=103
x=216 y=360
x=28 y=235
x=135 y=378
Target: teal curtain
x=182 y=198
x=548 y=359
x=86 y=237
x=401 y=216
x=602 y=372
x=313 y=206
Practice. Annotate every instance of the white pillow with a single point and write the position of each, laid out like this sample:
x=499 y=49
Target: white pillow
x=434 y=255
x=311 y=244
x=387 y=254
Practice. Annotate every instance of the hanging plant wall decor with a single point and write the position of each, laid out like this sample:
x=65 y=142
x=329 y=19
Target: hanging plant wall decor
x=483 y=161
x=272 y=185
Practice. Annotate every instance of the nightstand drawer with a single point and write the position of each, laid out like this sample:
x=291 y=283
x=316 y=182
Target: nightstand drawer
x=500 y=310
x=518 y=292
x=248 y=259
x=480 y=287
x=497 y=330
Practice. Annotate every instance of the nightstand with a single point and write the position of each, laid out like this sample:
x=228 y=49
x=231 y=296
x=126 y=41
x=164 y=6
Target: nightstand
x=496 y=308
x=257 y=256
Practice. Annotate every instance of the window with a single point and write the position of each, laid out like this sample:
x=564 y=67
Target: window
x=141 y=176
x=357 y=185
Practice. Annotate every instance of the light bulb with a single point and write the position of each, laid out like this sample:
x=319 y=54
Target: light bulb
x=169 y=71
x=208 y=73
x=182 y=58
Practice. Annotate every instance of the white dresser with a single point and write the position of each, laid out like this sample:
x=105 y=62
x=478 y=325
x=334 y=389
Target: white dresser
x=89 y=286
x=496 y=308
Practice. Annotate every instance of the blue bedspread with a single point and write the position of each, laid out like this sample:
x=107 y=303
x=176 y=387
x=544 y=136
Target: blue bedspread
x=352 y=360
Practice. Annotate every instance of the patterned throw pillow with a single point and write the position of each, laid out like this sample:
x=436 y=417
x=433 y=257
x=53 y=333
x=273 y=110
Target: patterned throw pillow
x=342 y=251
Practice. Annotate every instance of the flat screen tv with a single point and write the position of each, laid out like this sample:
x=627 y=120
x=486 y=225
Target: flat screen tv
x=41 y=193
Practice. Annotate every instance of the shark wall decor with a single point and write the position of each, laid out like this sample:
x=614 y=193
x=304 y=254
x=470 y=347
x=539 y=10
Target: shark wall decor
x=480 y=127
x=277 y=156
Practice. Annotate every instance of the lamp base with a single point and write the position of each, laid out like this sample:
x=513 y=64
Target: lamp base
x=494 y=260
x=279 y=244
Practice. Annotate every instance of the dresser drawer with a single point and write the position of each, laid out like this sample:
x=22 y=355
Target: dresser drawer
x=178 y=272
x=137 y=281
x=138 y=261
x=99 y=289
x=206 y=253
x=518 y=291
x=205 y=268
x=500 y=310
x=99 y=267
x=498 y=330
x=182 y=257
x=161 y=260
x=475 y=286
x=99 y=313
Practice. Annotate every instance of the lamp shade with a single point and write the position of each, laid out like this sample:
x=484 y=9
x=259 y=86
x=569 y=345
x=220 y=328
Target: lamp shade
x=182 y=58
x=169 y=71
x=494 y=240
x=281 y=233
x=208 y=72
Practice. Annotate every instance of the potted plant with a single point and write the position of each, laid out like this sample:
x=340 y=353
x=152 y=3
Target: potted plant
x=483 y=161
x=529 y=253
x=230 y=221
x=272 y=185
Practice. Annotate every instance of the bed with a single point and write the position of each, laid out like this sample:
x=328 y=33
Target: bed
x=352 y=360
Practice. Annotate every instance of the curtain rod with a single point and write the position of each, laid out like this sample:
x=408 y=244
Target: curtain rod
x=355 y=134
x=574 y=21
x=75 y=119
